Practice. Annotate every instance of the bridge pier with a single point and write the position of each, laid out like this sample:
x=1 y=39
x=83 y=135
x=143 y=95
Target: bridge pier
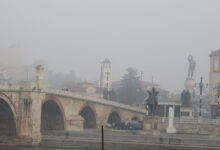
x=74 y=123
x=29 y=114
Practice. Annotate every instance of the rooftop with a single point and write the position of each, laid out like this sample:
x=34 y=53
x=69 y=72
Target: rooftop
x=170 y=102
x=106 y=61
x=151 y=84
x=215 y=53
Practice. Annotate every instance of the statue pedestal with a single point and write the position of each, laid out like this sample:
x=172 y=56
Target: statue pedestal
x=171 y=129
x=200 y=119
x=190 y=84
x=150 y=126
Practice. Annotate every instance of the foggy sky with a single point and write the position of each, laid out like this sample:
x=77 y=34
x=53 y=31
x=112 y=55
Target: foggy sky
x=152 y=36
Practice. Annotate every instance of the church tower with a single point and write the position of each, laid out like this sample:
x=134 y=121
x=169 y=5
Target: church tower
x=106 y=75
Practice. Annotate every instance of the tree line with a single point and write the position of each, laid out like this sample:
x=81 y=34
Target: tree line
x=130 y=91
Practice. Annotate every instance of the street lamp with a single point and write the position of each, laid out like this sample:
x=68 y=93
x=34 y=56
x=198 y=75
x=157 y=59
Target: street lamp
x=201 y=87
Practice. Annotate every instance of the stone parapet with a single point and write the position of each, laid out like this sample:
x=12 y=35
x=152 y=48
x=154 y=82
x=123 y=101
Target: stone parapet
x=7 y=87
x=31 y=87
x=93 y=100
x=192 y=128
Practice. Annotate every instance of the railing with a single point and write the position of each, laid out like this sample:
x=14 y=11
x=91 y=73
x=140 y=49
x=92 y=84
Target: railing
x=6 y=87
x=77 y=96
x=195 y=120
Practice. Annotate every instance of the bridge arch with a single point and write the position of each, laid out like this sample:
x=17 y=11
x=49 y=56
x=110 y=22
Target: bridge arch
x=8 y=100
x=52 y=115
x=114 y=118
x=7 y=118
x=89 y=115
x=135 y=118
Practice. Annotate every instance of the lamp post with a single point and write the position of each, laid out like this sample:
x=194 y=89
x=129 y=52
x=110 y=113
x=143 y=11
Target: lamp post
x=200 y=98
x=201 y=87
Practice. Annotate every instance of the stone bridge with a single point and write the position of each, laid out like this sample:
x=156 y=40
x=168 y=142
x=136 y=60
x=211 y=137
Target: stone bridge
x=29 y=108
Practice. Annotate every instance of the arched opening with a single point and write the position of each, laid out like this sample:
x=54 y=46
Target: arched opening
x=51 y=117
x=114 y=119
x=7 y=121
x=89 y=118
x=135 y=119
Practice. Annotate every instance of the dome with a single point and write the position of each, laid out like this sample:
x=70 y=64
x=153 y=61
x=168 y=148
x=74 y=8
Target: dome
x=106 y=61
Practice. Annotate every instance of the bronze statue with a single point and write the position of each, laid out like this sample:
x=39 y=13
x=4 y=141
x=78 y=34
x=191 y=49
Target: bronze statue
x=186 y=98
x=151 y=102
x=192 y=67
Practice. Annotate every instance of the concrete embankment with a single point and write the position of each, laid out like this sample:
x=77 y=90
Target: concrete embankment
x=129 y=141
x=110 y=145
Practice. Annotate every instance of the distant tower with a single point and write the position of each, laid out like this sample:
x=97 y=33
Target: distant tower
x=106 y=75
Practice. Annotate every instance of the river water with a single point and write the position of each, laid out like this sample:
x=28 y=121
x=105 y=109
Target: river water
x=32 y=148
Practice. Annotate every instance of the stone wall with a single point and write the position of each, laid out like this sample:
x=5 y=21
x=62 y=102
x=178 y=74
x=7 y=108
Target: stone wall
x=72 y=107
x=67 y=94
x=192 y=128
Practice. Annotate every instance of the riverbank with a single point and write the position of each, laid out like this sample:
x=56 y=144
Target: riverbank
x=91 y=140
x=117 y=140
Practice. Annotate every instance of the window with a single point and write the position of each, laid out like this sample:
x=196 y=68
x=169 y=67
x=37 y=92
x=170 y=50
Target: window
x=216 y=75
x=184 y=113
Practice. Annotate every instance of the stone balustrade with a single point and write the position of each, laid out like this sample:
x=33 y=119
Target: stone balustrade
x=29 y=86
x=7 y=87
x=76 y=96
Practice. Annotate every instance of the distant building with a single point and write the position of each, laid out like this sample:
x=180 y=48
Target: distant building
x=214 y=83
x=12 y=70
x=3 y=76
x=85 y=88
x=163 y=107
x=187 y=113
x=10 y=64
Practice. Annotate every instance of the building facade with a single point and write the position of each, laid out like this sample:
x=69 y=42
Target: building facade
x=214 y=83
x=87 y=89
x=163 y=108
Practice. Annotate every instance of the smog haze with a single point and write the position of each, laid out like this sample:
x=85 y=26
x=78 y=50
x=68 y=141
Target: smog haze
x=155 y=37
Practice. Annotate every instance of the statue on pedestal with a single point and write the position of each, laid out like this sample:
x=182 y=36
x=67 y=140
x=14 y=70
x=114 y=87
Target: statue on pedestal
x=151 y=121
x=187 y=93
x=151 y=102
